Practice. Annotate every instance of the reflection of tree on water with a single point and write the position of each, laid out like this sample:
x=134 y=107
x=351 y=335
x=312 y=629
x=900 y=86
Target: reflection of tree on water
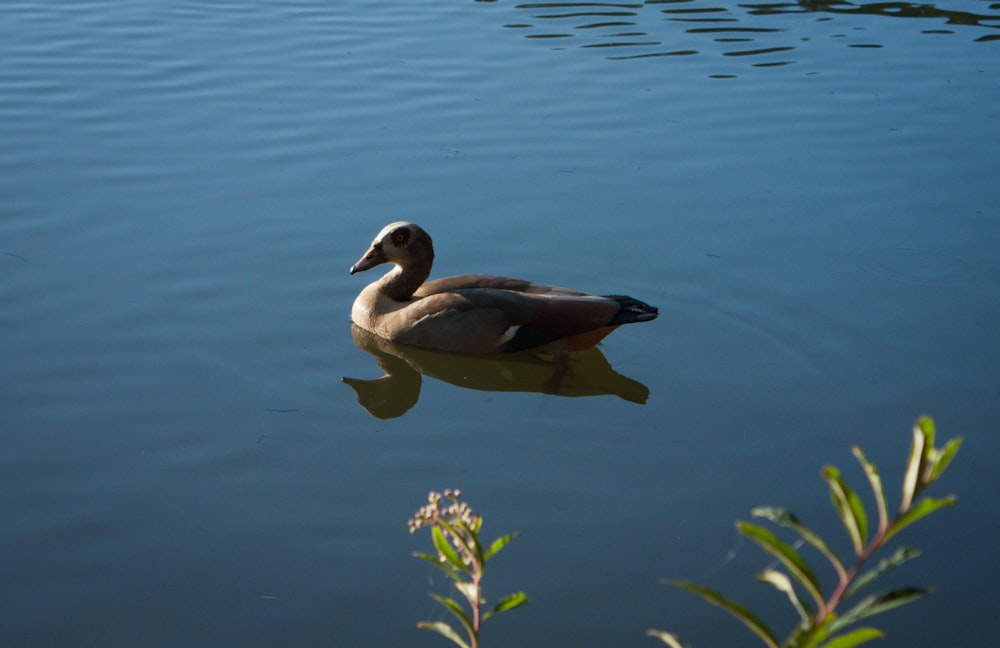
x=893 y=10
x=583 y=373
x=635 y=30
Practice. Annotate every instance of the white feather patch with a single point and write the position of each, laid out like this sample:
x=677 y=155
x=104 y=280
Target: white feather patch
x=509 y=334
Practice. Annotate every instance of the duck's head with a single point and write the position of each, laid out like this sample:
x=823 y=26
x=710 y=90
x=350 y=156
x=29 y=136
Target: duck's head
x=403 y=244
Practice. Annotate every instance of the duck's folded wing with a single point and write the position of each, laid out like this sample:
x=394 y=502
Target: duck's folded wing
x=450 y=322
x=492 y=321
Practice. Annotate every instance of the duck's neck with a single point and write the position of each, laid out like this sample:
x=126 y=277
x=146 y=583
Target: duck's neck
x=400 y=283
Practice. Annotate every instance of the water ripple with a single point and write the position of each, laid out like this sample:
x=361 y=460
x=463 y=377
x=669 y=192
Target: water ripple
x=658 y=27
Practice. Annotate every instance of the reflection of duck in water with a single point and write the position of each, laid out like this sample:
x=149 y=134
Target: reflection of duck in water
x=582 y=373
x=477 y=314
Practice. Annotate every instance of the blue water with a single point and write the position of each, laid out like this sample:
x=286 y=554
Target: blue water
x=807 y=191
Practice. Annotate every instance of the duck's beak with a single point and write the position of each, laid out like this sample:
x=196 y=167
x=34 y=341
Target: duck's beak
x=372 y=258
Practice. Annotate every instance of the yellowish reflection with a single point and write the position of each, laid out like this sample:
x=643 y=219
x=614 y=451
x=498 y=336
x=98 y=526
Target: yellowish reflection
x=582 y=373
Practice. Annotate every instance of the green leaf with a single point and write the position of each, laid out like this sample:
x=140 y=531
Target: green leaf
x=445 y=549
x=443 y=628
x=469 y=590
x=783 y=583
x=497 y=545
x=786 y=518
x=477 y=524
x=475 y=544
x=923 y=508
x=926 y=425
x=849 y=507
x=509 y=602
x=748 y=618
x=788 y=557
x=443 y=566
x=854 y=638
x=466 y=537
x=900 y=556
x=809 y=635
x=914 y=466
x=668 y=638
x=876 y=483
x=941 y=458
x=896 y=598
x=876 y=604
x=457 y=610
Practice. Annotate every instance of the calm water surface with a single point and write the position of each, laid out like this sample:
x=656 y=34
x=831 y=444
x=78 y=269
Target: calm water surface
x=807 y=191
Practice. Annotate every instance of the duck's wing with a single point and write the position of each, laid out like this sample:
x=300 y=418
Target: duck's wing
x=483 y=320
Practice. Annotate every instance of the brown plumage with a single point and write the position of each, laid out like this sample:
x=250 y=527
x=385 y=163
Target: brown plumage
x=477 y=314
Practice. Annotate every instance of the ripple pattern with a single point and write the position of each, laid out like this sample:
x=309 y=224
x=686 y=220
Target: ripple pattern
x=757 y=31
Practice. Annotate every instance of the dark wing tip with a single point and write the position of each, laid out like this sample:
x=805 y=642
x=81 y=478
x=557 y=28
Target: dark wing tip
x=632 y=310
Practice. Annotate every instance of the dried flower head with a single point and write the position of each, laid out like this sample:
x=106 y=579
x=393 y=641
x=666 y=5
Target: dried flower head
x=455 y=533
x=456 y=519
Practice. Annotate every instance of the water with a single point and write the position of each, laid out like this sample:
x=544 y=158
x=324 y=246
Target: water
x=807 y=192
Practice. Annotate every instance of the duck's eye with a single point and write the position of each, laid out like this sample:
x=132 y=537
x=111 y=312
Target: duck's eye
x=400 y=236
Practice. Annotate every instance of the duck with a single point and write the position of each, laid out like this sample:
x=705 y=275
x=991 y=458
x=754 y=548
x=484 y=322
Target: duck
x=477 y=314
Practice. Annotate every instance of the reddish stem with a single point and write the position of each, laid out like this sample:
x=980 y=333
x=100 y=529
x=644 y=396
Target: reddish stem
x=841 y=590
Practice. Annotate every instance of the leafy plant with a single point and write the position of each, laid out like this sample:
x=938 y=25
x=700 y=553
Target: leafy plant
x=462 y=556
x=821 y=626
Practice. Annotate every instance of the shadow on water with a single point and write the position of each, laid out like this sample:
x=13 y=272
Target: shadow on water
x=752 y=29
x=583 y=373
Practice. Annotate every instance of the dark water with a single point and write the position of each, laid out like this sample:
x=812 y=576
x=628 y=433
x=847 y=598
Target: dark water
x=807 y=191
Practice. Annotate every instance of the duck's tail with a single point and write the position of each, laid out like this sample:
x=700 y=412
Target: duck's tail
x=632 y=310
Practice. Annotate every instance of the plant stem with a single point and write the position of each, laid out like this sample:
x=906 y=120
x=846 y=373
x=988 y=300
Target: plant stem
x=477 y=576
x=838 y=593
